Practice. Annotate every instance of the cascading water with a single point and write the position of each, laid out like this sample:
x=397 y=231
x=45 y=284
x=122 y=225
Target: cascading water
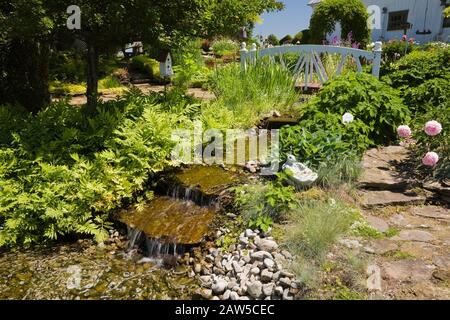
x=170 y=224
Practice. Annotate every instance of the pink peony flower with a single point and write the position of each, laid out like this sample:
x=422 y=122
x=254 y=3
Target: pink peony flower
x=433 y=128
x=404 y=131
x=430 y=159
x=405 y=37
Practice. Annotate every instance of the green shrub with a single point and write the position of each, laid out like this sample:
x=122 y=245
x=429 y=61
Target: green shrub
x=367 y=99
x=321 y=140
x=109 y=82
x=148 y=66
x=394 y=49
x=225 y=47
x=429 y=94
x=64 y=173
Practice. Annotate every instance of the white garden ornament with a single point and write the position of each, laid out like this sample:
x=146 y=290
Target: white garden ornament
x=298 y=172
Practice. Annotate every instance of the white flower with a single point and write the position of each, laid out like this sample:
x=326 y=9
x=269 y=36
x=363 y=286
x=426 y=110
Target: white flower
x=347 y=118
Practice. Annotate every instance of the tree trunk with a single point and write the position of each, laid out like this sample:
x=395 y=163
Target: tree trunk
x=92 y=78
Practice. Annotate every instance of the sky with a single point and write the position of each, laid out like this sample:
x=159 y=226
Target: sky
x=294 y=18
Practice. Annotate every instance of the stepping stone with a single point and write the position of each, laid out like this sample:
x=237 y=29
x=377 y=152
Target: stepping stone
x=414 y=235
x=374 y=278
x=442 y=189
x=442 y=261
x=377 y=223
x=419 y=249
x=379 y=168
x=408 y=270
x=433 y=212
x=372 y=199
x=382 y=246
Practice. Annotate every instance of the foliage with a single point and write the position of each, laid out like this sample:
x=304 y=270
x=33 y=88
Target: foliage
x=264 y=202
x=432 y=93
x=345 y=170
x=62 y=173
x=262 y=223
x=243 y=96
x=374 y=103
x=286 y=39
x=148 y=66
x=322 y=139
x=316 y=225
x=306 y=36
x=394 y=49
x=351 y=14
x=297 y=38
x=225 y=47
x=273 y=40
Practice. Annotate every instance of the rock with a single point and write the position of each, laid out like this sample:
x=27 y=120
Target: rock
x=442 y=275
x=419 y=249
x=414 y=235
x=254 y=289
x=379 y=168
x=267 y=245
x=266 y=275
x=234 y=295
x=243 y=240
x=279 y=291
x=226 y=295
x=268 y=289
x=408 y=270
x=255 y=271
x=269 y=263
x=285 y=282
x=198 y=268
x=252 y=166
x=231 y=284
x=286 y=254
x=215 y=298
x=249 y=233
x=276 y=276
x=433 y=212
x=74 y=280
x=206 y=294
x=441 y=189
x=237 y=268
x=374 y=280
x=373 y=199
x=260 y=255
x=287 y=274
x=244 y=298
x=287 y=295
x=349 y=243
x=382 y=246
x=442 y=261
x=377 y=223
x=206 y=271
x=219 y=286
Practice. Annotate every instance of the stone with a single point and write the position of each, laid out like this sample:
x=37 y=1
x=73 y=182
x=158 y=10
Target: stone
x=286 y=254
x=254 y=289
x=237 y=268
x=255 y=271
x=267 y=245
x=433 y=212
x=243 y=240
x=215 y=298
x=279 y=290
x=260 y=255
x=441 y=189
x=419 y=249
x=268 y=263
x=268 y=289
x=349 y=243
x=287 y=274
x=382 y=246
x=246 y=258
x=379 y=168
x=414 y=235
x=219 y=286
x=244 y=298
x=442 y=275
x=276 y=276
x=234 y=295
x=226 y=295
x=206 y=294
x=285 y=282
x=442 y=261
x=373 y=199
x=377 y=223
x=249 y=233
x=198 y=268
x=266 y=275
x=206 y=271
x=408 y=270
x=373 y=282
x=287 y=295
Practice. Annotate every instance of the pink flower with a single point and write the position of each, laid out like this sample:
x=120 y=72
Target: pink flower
x=405 y=37
x=430 y=159
x=433 y=128
x=404 y=131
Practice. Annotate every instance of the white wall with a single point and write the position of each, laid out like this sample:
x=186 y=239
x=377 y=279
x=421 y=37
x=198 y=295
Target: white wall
x=416 y=16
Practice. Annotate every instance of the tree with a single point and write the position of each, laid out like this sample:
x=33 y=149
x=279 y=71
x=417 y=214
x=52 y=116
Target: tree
x=108 y=25
x=306 y=39
x=351 y=14
x=286 y=39
x=298 y=37
x=273 y=40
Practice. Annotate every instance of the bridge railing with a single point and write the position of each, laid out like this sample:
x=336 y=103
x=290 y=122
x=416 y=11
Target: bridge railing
x=310 y=61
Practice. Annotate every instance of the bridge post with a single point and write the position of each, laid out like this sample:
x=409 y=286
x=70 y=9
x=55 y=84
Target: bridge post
x=243 y=53
x=377 y=50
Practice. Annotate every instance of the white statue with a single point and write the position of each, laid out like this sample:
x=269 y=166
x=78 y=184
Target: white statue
x=298 y=172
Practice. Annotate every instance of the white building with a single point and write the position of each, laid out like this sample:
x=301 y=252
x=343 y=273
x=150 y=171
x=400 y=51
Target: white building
x=424 y=18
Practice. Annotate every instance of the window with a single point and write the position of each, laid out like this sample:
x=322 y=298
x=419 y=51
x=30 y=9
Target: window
x=397 y=20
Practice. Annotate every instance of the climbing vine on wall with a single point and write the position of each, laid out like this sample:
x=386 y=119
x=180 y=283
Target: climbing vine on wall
x=351 y=14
